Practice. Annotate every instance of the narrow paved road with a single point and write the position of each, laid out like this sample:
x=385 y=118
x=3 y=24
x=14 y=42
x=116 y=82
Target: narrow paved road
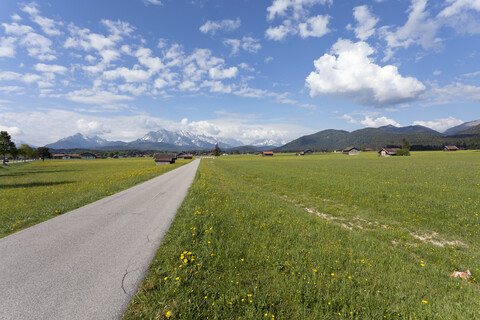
x=87 y=264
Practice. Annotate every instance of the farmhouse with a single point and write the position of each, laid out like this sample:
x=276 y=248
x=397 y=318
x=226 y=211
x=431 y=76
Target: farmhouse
x=66 y=156
x=267 y=154
x=185 y=156
x=387 y=152
x=352 y=151
x=164 y=158
x=87 y=155
x=308 y=151
x=450 y=148
x=301 y=153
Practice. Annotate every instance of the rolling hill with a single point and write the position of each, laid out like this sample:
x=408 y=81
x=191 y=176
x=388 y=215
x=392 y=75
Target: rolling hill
x=420 y=138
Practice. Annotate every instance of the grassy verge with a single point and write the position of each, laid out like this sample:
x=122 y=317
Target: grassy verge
x=37 y=191
x=300 y=238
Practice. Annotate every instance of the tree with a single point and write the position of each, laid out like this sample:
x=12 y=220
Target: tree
x=405 y=151
x=217 y=150
x=43 y=153
x=26 y=151
x=6 y=145
x=405 y=144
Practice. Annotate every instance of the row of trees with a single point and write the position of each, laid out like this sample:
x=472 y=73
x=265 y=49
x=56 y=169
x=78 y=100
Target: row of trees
x=7 y=147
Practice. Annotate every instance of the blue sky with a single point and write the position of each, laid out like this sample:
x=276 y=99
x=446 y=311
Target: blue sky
x=245 y=69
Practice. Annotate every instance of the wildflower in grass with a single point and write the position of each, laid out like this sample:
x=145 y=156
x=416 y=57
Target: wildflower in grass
x=425 y=301
x=177 y=278
x=168 y=314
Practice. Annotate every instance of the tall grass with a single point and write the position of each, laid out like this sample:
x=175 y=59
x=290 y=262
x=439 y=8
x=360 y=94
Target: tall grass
x=37 y=191
x=321 y=237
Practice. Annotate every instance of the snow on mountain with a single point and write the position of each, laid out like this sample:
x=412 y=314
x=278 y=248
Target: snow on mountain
x=187 y=139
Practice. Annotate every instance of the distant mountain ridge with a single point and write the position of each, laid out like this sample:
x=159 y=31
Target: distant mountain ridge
x=79 y=141
x=418 y=136
x=407 y=129
x=156 y=140
x=376 y=138
x=186 y=139
x=464 y=126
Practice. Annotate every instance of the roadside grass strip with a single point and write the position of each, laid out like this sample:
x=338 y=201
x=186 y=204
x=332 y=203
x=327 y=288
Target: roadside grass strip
x=37 y=191
x=263 y=239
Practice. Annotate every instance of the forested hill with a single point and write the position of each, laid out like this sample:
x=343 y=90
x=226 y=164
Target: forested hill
x=420 y=138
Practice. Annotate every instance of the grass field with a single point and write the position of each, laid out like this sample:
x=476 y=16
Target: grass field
x=37 y=191
x=326 y=236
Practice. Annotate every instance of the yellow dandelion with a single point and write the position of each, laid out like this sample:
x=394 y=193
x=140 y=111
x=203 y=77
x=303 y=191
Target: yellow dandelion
x=168 y=314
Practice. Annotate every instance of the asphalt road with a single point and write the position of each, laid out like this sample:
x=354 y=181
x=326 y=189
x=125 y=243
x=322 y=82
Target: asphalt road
x=88 y=263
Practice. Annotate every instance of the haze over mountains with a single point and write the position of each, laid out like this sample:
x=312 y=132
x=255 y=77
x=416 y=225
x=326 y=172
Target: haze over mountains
x=466 y=134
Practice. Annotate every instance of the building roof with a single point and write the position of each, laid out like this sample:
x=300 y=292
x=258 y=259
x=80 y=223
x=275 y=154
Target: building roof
x=160 y=157
x=350 y=149
x=267 y=152
x=389 y=151
x=451 y=147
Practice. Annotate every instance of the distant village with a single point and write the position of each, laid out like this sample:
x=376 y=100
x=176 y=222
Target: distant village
x=169 y=158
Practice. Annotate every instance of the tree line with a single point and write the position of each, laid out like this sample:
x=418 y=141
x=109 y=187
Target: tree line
x=7 y=147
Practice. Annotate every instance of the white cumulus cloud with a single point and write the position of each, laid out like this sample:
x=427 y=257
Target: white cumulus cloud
x=296 y=8
x=457 y=6
x=217 y=73
x=378 y=122
x=52 y=68
x=130 y=75
x=349 y=73
x=365 y=22
x=314 y=26
x=7 y=47
x=280 y=32
x=440 y=125
x=48 y=25
x=248 y=44
x=420 y=29
x=91 y=128
x=226 y=25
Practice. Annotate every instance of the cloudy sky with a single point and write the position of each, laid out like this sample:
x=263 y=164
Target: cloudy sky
x=243 y=69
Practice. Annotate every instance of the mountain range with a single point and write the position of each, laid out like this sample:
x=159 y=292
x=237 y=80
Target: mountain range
x=465 y=135
x=156 y=140
x=420 y=138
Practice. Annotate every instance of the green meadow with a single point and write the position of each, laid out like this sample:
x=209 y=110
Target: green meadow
x=325 y=236
x=33 y=192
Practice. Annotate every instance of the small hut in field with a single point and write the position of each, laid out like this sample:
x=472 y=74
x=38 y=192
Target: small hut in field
x=388 y=152
x=164 y=158
x=450 y=148
x=352 y=151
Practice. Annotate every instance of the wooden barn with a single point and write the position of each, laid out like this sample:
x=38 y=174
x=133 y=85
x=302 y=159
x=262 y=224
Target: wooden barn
x=450 y=148
x=352 y=151
x=267 y=154
x=388 y=152
x=164 y=158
